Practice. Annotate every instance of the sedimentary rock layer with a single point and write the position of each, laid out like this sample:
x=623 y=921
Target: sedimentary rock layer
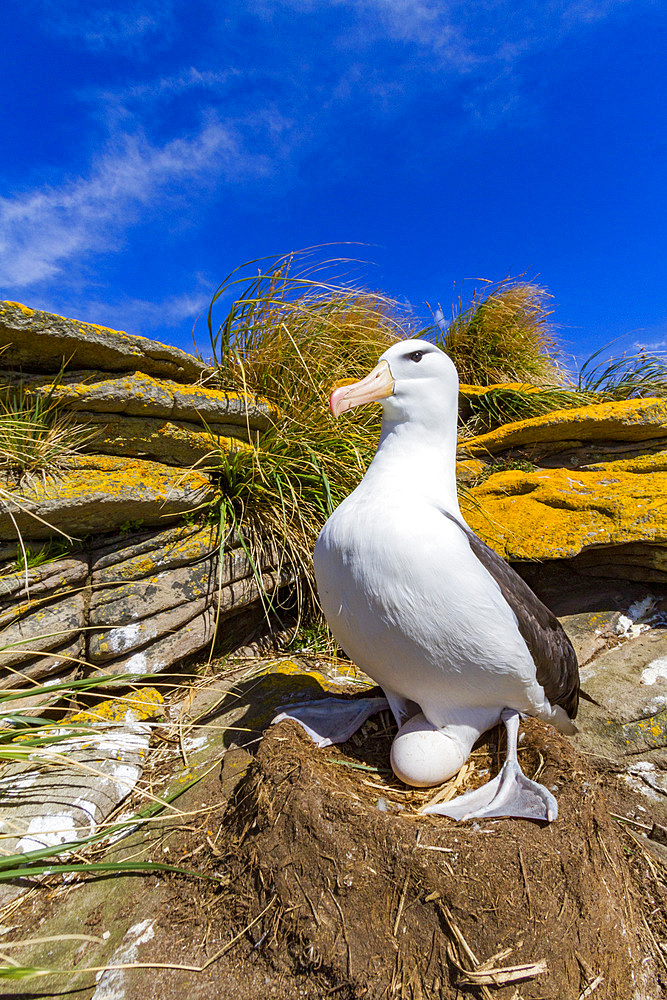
x=131 y=604
x=43 y=342
x=97 y=493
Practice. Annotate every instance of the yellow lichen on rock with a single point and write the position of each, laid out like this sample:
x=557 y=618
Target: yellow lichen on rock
x=140 y=395
x=475 y=391
x=624 y=420
x=556 y=514
x=100 y=493
x=45 y=342
x=642 y=463
x=469 y=469
x=26 y=310
x=169 y=441
x=145 y=703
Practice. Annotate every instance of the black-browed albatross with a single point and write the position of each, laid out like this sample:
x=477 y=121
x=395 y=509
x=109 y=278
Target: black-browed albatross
x=454 y=637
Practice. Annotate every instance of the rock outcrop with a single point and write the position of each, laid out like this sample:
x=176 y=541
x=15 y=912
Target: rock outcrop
x=96 y=494
x=585 y=484
x=136 y=579
x=43 y=342
x=134 y=604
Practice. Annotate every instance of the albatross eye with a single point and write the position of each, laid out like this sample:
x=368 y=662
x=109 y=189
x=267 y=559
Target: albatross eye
x=416 y=356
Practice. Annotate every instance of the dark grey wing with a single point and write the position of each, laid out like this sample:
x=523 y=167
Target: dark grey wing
x=549 y=646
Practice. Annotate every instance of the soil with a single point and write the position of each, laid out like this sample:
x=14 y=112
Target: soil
x=383 y=901
x=329 y=882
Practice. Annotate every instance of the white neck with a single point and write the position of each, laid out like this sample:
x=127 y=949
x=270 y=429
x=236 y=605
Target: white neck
x=417 y=454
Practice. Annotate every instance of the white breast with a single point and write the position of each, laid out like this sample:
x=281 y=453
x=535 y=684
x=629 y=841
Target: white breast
x=412 y=606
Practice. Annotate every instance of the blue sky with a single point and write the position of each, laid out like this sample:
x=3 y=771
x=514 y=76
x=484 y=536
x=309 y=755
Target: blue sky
x=151 y=146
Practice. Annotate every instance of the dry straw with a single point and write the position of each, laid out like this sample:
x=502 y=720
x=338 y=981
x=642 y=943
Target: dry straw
x=289 y=336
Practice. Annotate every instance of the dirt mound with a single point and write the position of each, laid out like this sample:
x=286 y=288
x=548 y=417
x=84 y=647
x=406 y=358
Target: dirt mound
x=383 y=901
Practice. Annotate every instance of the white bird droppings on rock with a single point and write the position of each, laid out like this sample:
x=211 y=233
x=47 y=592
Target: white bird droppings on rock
x=626 y=628
x=195 y=743
x=138 y=664
x=655 y=670
x=47 y=831
x=111 y=981
x=123 y=637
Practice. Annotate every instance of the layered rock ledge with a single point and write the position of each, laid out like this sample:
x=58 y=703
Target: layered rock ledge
x=135 y=581
x=586 y=484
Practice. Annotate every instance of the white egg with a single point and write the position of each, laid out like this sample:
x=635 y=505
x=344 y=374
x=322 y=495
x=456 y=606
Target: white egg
x=422 y=755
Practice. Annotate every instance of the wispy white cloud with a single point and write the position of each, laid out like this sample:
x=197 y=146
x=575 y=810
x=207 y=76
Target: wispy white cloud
x=654 y=346
x=651 y=339
x=100 y=26
x=286 y=90
x=390 y=54
x=457 y=32
x=138 y=94
x=181 y=311
x=44 y=231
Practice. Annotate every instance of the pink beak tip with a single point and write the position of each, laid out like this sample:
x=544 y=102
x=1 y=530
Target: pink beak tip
x=334 y=398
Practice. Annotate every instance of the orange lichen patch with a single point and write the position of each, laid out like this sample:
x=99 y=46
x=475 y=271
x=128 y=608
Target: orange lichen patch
x=652 y=731
x=642 y=463
x=26 y=310
x=474 y=391
x=625 y=420
x=147 y=703
x=556 y=514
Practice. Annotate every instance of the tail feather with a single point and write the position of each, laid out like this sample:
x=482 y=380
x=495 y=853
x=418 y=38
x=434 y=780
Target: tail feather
x=561 y=720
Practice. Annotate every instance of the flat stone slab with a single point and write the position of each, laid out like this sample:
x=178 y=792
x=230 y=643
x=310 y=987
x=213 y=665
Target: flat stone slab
x=119 y=560
x=180 y=443
x=139 y=395
x=623 y=420
x=630 y=681
x=97 y=494
x=45 y=628
x=139 y=599
x=57 y=574
x=66 y=787
x=590 y=632
x=136 y=603
x=559 y=513
x=44 y=342
x=151 y=644
x=42 y=808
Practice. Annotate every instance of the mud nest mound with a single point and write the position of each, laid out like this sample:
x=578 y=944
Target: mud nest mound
x=383 y=901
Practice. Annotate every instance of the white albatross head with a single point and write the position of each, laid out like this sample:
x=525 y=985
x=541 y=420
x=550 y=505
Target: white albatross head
x=413 y=379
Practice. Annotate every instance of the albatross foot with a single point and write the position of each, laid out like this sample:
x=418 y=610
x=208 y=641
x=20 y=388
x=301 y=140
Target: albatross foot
x=510 y=793
x=331 y=720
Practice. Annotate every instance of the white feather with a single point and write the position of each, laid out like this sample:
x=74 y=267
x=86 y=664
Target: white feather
x=402 y=591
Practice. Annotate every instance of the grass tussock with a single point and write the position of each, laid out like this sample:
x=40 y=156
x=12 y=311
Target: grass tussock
x=632 y=376
x=507 y=404
x=635 y=376
x=504 y=334
x=289 y=336
x=35 y=435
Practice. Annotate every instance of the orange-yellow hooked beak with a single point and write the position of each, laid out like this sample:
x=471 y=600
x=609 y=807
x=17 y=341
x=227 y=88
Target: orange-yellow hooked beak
x=377 y=385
